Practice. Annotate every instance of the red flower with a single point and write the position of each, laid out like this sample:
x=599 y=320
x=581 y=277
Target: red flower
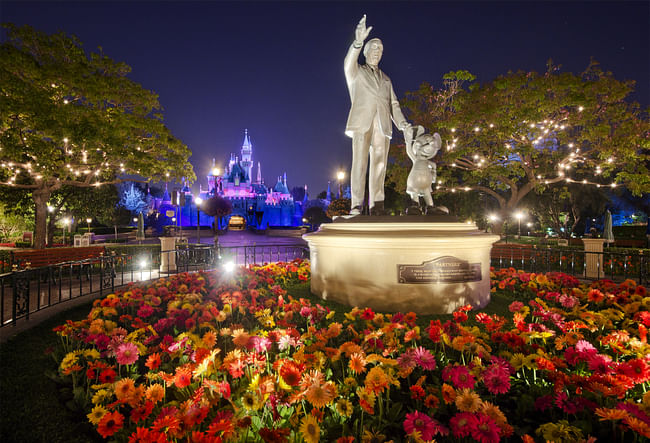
x=291 y=372
x=144 y=435
x=110 y=423
x=275 y=435
x=416 y=392
x=367 y=314
x=637 y=369
x=183 y=378
x=107 y=376
x=153 y=361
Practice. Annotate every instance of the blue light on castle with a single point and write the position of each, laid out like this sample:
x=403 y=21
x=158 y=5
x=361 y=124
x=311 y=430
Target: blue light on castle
x=260 y=206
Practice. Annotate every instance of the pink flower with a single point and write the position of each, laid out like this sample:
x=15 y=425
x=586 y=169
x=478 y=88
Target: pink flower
x=260 y=344
x=417 y=421
x=127 y=353
x=496 y=380
x=145 y=311
x=460 y=377
x=568 y=301
x=406 y=360
x=599 y=363
x=424 y=358
x=516 y=306
x=485 y=430
x=462 y=424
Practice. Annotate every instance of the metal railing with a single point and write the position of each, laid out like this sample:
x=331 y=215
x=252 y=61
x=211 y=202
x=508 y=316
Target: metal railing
x=31 y=290
x=617 y=266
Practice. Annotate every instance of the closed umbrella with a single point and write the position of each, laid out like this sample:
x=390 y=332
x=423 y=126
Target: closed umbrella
x=608 y=235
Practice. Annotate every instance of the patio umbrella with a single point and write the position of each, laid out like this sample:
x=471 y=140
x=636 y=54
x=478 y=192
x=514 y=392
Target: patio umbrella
x=608 y=235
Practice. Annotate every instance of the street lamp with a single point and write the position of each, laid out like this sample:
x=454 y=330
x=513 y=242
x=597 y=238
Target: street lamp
x=491 y=219
x=529 y=225
x=88 y=220
x=66 y=223
x=340 y=176
x=519 y=215
x=198 y=201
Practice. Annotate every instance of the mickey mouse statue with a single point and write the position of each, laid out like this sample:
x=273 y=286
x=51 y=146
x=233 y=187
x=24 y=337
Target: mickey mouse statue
x=420 y=148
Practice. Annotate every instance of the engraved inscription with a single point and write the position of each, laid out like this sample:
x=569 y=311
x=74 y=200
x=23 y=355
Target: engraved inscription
x=445 y=269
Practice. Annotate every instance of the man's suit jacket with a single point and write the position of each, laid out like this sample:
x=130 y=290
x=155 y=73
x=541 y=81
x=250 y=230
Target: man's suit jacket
x=370 y=97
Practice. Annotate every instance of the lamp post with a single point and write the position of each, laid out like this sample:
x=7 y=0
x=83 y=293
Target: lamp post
x=50 y=209
x=519 y=215
x=340 y=176
x=491 y=219
x=88 y=220
x=529 y=225
x=66 y=223
x=198 y=201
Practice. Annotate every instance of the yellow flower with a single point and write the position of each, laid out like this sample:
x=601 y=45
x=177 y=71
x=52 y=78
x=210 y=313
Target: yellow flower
x=251 y=401
x=309 y=429
x=518 y=360
x=372 y=437
x=96 y=414
x=92 y=353
x=101 y=396
x=344 y=407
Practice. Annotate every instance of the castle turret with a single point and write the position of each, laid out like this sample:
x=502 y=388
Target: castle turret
x=247 y=155
x=259 y=173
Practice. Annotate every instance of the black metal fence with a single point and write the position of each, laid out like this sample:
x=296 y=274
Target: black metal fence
x=582 y=264
x=31 y=290
x=24 y=292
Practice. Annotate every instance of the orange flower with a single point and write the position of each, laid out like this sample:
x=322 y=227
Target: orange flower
x=153 y=361
x=611 y=414
x=448 y=393
x=468 y=400
x=348 y=348
x=240 y=338
x=155 y=392
x=357 y=363
x=376 y=380
x=209 y=339
x=183 y=377
x=320 y=396
x=124 y=388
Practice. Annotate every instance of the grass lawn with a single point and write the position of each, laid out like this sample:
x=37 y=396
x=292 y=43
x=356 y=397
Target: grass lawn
x=32 y=406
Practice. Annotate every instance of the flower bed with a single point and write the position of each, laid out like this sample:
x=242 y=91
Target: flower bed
x=207 y=357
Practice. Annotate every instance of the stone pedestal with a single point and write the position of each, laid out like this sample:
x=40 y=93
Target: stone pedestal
x=167 y=254
x=594 y=257
x=401 y=264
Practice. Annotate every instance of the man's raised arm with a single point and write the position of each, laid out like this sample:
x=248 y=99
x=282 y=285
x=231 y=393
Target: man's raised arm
x=351 y=65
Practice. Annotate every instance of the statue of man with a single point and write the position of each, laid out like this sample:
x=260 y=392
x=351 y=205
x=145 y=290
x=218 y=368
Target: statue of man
x=374 y=104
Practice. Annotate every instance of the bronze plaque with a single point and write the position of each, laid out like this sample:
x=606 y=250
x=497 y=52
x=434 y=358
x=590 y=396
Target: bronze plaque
x=445 y=269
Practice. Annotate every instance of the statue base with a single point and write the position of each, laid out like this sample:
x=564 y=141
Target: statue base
x=429 y=265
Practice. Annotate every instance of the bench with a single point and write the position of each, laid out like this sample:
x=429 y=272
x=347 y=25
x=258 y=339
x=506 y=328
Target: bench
x=36 y=258
x=512 y=252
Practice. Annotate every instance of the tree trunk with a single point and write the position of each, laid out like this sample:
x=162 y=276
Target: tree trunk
x=51 y=228
x=41 y=197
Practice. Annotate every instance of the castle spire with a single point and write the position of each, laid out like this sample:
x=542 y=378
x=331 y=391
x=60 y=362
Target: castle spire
x=259 y=172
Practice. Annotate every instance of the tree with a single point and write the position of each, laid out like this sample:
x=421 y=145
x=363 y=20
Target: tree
x=525 y=131
x=71 y=119
x=339 y=206
x=217 y=207
x=11 y=224
x=564 y=207
x=134 y=200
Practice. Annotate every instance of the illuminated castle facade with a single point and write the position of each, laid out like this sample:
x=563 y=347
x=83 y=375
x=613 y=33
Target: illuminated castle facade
x=259 y=205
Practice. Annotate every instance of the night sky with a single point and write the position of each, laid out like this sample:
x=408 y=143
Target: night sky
x=276 y=68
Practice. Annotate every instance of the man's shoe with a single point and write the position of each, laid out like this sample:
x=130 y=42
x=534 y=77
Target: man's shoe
x=356 y=210
x=378 y=209
x=413 y=210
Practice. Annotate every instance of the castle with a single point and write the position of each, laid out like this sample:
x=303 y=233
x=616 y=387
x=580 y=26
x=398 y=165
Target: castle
x=253 y=203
